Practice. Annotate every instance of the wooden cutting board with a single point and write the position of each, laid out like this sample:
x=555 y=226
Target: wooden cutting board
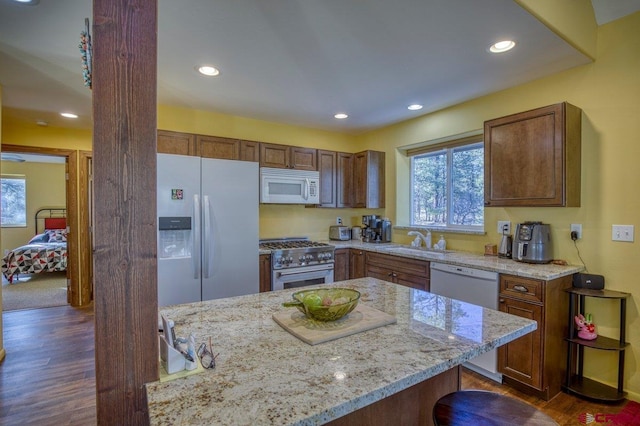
x=362 y=318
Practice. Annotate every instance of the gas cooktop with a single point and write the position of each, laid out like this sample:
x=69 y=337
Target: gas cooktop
x=297 y=252
x=291 y=243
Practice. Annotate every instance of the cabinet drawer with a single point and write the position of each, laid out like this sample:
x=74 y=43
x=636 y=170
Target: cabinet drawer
x=522 y=288
x=399 y=264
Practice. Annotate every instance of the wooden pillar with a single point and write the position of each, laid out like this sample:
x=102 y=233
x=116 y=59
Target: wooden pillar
x=124 y=157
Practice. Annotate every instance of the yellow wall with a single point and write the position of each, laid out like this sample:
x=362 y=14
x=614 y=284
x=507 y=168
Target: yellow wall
x=45 y=188
x=608 y=91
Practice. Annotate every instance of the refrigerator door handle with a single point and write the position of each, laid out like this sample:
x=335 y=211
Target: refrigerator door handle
x=208 y=242
x=195 y=250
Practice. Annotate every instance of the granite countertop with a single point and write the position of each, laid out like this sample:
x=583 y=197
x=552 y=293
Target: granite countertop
x=266 y=376
x=473 y=260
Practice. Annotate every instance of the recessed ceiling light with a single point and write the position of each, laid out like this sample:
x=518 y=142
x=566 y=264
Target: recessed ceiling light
x=502 y=46
x=341 y=116
x=414 y=107
x=31 y=2
x=68 y=115
x=208 y=70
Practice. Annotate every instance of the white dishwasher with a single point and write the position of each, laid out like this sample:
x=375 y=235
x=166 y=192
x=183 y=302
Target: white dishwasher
x=476 y=287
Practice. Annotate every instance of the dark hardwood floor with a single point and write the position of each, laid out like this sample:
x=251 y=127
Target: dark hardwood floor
x=48 y=375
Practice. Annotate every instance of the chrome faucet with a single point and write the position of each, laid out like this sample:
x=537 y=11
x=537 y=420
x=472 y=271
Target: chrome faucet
x=421 y=236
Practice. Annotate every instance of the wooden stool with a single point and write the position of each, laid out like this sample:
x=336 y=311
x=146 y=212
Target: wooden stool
x=472 y=407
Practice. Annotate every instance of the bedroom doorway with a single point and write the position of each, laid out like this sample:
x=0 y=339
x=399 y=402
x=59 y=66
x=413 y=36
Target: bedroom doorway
x=74 y=292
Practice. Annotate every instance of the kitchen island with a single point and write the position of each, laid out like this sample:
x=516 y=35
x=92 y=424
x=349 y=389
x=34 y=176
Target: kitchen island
x=266 y=376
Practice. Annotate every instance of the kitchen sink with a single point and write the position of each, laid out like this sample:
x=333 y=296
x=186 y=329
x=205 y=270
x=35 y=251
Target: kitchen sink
x=415 y=250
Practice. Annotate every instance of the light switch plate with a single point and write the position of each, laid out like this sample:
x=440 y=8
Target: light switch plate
x=622 y=233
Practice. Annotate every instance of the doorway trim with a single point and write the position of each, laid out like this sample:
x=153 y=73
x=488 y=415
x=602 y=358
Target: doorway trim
x=74 y=290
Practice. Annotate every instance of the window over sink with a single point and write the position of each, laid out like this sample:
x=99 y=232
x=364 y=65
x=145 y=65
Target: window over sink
x=447 y=185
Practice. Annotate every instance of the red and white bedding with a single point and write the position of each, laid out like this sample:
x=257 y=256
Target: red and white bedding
x=46 y=252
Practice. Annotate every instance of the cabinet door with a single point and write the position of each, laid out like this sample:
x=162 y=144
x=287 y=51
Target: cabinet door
x=250 y=151
x=410 y=280
x=521 y=359
x=533 y=158
x=217 y=147
x=176 y=143
x=368 y=179
x=344 y=179
x=265 y=272
x=273 y=155
x=327 y=169
x=380 y=272
x=356 y=264
x=341 y=265
x=303 y=158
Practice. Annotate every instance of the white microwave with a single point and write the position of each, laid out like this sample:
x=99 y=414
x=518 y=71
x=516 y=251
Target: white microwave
x=286 y=186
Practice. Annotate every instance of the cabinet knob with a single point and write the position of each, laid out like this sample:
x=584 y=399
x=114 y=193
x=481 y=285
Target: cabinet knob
x=501 y=300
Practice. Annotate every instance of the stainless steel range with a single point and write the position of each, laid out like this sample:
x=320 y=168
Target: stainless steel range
x=298 y=262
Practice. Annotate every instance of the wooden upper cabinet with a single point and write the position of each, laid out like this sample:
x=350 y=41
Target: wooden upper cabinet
x=533 y=158
x=344 y=179
x=368 y=179
x=336 y=178
x=288 y=157
x=176 y=143
x=218 y=147
x=250 y=151
x=328 y=175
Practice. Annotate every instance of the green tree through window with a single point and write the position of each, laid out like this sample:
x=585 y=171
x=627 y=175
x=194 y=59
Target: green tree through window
x=447 y=187
x=14 y=201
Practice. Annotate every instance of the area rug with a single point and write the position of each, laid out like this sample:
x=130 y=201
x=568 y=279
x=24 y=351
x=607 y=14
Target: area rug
x=629 y=415
x=35 y=291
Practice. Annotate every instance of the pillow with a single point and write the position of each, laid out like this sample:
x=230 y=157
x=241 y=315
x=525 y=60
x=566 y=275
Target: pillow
x=40 y=238
x=57 y=235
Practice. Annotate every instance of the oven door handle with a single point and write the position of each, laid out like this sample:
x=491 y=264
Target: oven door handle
x=305 y=269
x=306 y=273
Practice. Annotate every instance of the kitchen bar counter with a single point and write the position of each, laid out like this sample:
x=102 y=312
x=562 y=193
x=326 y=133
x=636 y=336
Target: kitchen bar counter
x=545 y=272
x=266 y=376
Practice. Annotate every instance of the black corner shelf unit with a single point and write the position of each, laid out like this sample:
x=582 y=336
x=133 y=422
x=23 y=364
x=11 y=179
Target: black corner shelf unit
x=575 y=382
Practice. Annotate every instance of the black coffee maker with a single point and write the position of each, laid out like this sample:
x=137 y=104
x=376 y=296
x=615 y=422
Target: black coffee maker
x=375 y=229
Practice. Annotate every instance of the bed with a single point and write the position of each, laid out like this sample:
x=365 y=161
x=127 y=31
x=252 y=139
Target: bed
x=45 y=252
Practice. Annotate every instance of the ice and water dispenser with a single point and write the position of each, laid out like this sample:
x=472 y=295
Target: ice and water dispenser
x=174 y=237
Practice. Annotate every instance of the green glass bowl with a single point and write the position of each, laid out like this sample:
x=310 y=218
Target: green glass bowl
x=325 y=304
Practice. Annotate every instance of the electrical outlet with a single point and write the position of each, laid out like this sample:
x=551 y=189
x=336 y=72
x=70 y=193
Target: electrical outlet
x=338 y=220
x=622 y=233
x=501 y=227
x=577 y=228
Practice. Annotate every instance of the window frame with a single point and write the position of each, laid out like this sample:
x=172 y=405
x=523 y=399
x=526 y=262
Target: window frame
x=24 y=179
x=446 y=148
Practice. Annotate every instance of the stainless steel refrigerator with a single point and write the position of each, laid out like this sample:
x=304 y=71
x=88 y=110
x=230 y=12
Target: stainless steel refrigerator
x=207 y=228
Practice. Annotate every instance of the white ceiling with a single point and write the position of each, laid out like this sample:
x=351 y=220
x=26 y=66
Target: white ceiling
x=294 y=62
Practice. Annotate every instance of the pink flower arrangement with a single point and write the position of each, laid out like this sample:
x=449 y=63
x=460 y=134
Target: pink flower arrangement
x=586 y=329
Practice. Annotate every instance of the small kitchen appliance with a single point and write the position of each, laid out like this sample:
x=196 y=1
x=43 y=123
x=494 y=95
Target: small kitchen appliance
x=376 y=229
x=288 y=186
x=532 y=243
x=338 y=232
x=506 y=244
x=356 y=233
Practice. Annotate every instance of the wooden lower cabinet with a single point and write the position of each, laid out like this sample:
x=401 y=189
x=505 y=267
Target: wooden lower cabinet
x=536 y=362
x=398 y=270
x=356 y=263
x=265 y=273
x=341 y=265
